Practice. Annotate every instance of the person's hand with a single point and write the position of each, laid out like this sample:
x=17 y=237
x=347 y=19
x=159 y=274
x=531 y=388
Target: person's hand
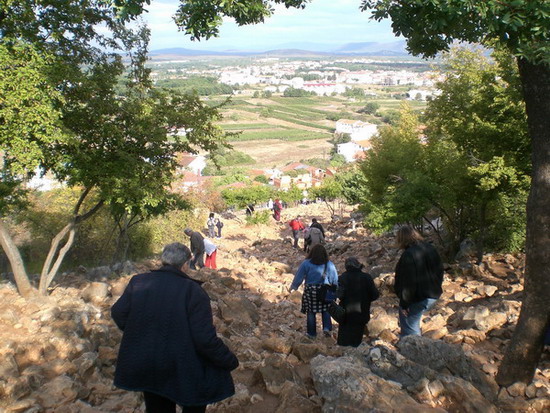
x=404 y=311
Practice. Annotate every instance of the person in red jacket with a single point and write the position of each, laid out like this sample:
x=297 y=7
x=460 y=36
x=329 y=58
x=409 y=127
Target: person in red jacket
x=296 y=225
x=277 y=208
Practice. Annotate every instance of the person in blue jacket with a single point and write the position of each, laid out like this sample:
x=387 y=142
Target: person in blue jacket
x=169 y=348
x=315 y=270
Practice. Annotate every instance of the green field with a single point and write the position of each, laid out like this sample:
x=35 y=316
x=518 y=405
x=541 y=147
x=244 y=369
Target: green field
x=292 y=135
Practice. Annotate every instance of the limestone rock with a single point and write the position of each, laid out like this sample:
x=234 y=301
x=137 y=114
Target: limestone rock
x=95 y=292
x=305 y=351
x=276 y=372
x=379 y=323
x=441 y=356
x=348 y=386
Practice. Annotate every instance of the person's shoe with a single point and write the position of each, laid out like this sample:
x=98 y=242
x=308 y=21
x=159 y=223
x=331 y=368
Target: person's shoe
x=327 y=333
x=310 y=336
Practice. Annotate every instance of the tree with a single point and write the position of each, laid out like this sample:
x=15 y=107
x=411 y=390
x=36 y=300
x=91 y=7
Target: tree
x=523 y=28
x=355 y=92
x=330 y=192
x=370 y=108
x=119 y=147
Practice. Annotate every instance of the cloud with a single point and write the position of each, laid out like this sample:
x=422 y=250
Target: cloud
x=326 y=21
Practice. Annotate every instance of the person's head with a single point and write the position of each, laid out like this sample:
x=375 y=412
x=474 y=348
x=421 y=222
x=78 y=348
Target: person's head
x=318 y=255
x=211 y=215
x=353 y=264
x=188 y=231
x=407 y=236
x=175 y=254
x=313 y=220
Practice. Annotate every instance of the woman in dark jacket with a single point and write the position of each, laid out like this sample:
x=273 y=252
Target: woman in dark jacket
x=169 y=349
x=356 y=291
x=418 y=279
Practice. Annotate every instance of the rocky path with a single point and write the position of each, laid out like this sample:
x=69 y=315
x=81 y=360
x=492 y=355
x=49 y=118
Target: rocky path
x=57 y=354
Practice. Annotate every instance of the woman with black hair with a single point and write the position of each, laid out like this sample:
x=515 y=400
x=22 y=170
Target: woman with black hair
x=315 y=271
x=356 y=291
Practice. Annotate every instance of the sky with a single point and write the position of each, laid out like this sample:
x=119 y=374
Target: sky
x=326 y=22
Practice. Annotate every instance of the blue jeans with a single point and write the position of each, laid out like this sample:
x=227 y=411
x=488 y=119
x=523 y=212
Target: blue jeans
x=410 y=324
x=312 y=323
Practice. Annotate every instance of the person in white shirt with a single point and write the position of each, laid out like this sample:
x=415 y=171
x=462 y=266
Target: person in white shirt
x=210 y=249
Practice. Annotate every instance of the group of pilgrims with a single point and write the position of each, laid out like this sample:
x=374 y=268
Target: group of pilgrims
x=170 y=350
x=418 y=285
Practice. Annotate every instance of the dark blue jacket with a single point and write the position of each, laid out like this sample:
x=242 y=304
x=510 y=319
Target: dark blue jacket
x=169 y=345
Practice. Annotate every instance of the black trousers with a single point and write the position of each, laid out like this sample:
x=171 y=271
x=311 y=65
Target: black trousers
x=158 y=404
x=197 y=262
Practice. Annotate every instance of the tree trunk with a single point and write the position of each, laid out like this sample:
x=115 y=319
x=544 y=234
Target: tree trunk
x=50 y=267
x=480 y=244
x=525 y=347
x=19 y=272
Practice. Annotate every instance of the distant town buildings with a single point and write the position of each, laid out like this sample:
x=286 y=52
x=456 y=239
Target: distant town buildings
x=357 y=129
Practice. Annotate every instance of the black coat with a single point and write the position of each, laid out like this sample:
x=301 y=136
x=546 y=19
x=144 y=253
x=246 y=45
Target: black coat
x=169 y=345
x=319 y=226
x=419 y=274
x=356 y=291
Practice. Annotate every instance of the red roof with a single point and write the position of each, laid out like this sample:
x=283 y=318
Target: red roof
x=185 y=159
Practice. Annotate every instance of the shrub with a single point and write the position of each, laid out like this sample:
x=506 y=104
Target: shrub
x=259 y=217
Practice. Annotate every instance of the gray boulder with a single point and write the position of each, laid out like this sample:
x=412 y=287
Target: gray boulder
x=347 y=385
x=447 y=358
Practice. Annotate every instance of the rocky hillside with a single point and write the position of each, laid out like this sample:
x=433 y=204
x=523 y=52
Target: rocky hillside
x=57 y=354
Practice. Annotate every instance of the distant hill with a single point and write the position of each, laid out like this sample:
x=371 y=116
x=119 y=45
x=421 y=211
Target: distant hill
x=394 y=48
x=366 y=49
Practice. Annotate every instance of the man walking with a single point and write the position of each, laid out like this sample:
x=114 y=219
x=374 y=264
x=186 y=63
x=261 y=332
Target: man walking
x=197 y=248
x=296 y=225
x=169 y=348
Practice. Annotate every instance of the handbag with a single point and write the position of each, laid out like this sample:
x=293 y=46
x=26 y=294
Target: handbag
x=337 y=312
x=327 y=292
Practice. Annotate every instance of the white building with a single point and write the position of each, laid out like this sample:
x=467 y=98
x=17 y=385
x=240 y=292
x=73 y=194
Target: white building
x=191 y=163
x=353 y=151
x=324 y=88
x=356 y=129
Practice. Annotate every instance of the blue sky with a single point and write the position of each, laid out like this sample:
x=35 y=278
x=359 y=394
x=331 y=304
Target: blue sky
x=327 y=22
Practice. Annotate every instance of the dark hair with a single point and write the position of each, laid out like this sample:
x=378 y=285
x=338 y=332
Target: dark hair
x=318 y=255
x=407 y=236
x=353 y=264
x=314 y=220
x=211 y=215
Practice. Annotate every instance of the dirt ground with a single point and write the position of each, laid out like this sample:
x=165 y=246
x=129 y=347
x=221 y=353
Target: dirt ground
x=278 y=153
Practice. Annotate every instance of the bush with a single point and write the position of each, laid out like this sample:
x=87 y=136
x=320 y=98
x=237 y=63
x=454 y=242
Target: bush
x=259 y=217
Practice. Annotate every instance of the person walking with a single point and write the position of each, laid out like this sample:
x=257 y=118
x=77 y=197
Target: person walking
x=169 y=348
x=277 y=208
x=297 y=226
x=197 y=248
x=418 y=279
x=211 y=224
x=219 y=225
x=315 y=271
x=316 y=224
x=314 y=236
x=356 y=291
x=210 y=250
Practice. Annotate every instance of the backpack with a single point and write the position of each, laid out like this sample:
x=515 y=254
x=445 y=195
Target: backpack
x=219 y=224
